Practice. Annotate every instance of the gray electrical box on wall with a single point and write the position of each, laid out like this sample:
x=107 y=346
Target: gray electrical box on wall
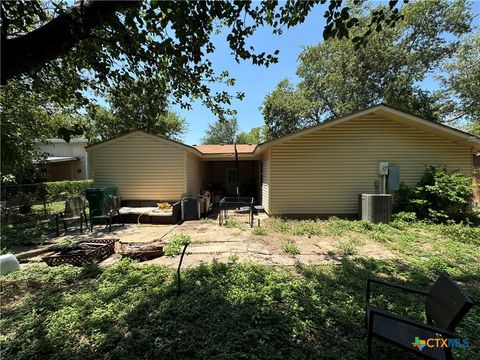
x=376 y=208
x=393 y=177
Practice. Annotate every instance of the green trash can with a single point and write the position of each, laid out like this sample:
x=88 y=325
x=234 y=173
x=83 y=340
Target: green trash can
x=96 y=196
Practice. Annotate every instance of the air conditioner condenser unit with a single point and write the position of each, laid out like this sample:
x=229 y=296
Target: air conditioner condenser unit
x=376 y=208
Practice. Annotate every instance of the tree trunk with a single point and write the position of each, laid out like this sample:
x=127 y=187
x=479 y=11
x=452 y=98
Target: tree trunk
x=33 y=50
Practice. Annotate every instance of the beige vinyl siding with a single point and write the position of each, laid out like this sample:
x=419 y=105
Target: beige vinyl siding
x=196 y=169
x=323 y=171
x=141 y=166
x=266 y=181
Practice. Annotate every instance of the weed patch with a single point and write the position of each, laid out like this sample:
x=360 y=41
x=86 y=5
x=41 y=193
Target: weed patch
x=175 y=243
x=305 y=227
x=279 y=225
x=231 y=223
x=260 y=230
x=290 y=247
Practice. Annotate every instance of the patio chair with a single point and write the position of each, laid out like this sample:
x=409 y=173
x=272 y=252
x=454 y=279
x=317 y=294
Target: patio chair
x=74 y=210
x=110 y=211
x=445 y=307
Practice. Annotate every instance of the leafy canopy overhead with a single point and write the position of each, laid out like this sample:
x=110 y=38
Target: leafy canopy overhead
x=336 y=78
x=95 y=44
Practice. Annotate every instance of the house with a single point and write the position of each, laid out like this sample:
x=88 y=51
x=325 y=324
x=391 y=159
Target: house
x=64 y=161
x=315 y=172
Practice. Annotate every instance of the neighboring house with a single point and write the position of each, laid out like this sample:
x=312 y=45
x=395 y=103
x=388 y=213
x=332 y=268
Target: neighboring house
x=64 y=161
x=316 y=172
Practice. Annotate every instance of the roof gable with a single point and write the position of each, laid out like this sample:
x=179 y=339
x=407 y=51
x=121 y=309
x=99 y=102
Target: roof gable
x=391 y=114
x=159 y=138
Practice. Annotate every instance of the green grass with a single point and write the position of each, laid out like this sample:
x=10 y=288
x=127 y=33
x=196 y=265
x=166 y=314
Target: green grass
x=305 y=227
x=231 y=223
x=175 y=244
x=131 y=311
x=295 y=227
x=290 y=247
x=348 y=247
x=260 y=230
x=279 y=225
x=237 y=310
x=33 y=228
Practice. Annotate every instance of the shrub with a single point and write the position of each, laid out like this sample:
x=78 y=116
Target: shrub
x=439 y=196
x=402 y=219
x=174 y=246
x=290 y=247
x=260 y=230
x=405 y=217
x=57 y=190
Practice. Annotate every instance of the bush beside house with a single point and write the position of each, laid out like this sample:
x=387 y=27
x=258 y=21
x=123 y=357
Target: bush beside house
x=441 y=195
x=61 y=189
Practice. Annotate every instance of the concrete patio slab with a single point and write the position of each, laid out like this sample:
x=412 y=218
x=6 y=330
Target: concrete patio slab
x=131 y=233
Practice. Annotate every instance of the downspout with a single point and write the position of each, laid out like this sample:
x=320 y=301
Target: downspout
x=236 y=164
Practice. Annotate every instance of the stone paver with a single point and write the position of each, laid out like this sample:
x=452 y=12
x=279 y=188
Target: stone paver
x=131 y=233
x=218 y=247
x=211 y=242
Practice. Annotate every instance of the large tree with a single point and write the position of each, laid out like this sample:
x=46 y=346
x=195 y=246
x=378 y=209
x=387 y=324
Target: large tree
x=104 y=124
x=336 y=78
x=110 y=41
x=460 y=93
x=256 y=135
x=25 y=117
x=221 y=132
x=135 y=105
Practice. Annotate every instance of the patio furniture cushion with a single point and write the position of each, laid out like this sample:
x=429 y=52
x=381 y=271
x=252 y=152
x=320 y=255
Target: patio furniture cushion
x=402 y=333
x=150 y=211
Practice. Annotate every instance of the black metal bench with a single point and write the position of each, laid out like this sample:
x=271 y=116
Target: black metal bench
x=445 y=307
x=234 y=203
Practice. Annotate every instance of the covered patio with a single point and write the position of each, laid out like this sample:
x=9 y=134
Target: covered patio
x=227 y=165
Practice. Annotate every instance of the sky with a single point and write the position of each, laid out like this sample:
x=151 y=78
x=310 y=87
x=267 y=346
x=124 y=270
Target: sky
x=257 y=81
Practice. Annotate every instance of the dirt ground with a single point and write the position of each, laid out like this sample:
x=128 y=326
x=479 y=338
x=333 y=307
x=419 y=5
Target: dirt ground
x=211 y=242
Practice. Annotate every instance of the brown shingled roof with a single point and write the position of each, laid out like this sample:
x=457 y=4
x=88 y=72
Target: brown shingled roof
x=225 y=149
